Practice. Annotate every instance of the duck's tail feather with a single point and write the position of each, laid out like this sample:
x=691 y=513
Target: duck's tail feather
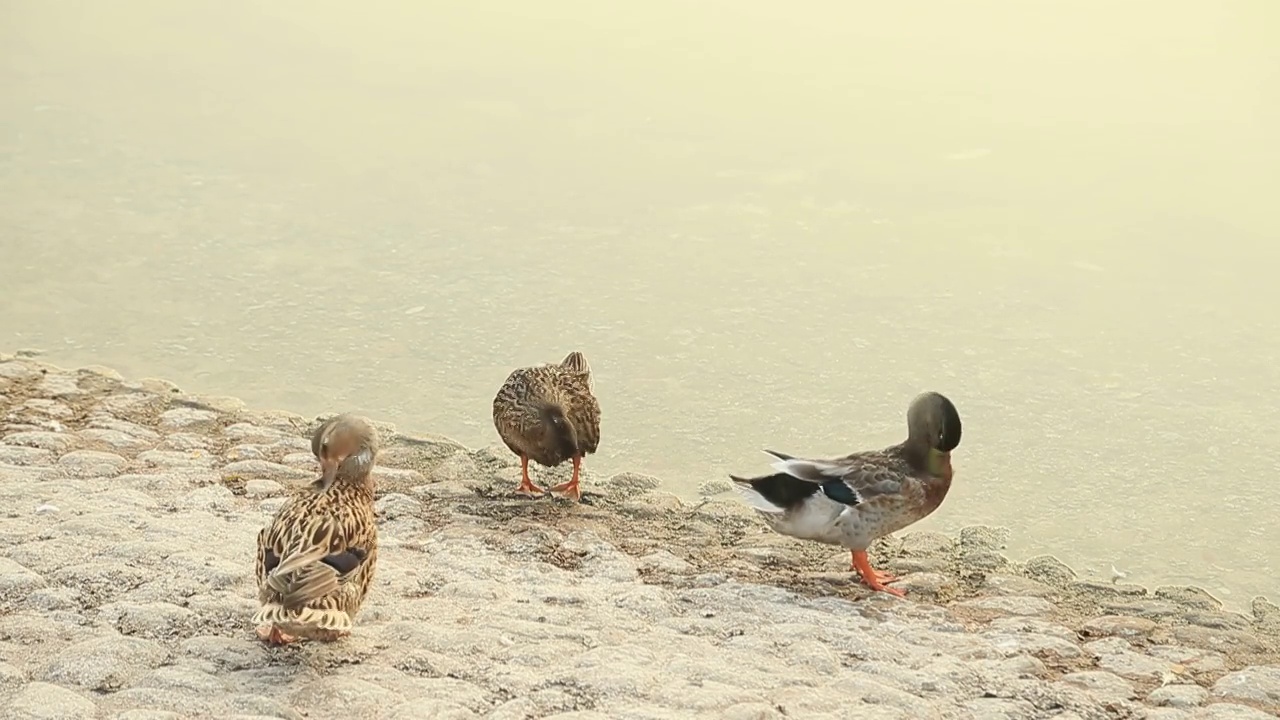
x=775 y=493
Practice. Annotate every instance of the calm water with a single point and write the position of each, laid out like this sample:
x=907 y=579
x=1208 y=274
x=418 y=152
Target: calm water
x=767 y=224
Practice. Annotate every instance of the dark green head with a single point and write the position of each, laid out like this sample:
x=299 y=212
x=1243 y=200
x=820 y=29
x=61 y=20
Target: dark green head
x=932 y=419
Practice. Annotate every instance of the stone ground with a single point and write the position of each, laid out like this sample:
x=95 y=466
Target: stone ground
x=130 y=512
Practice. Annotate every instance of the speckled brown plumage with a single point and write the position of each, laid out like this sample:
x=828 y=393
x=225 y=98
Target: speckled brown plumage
x=316 y=558
x=853 y=500
x=549 y=414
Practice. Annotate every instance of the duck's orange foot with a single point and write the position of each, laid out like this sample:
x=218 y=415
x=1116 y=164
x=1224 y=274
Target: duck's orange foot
x=272 y=635
x=873 y=579
x=568 y=489
x=529 y=489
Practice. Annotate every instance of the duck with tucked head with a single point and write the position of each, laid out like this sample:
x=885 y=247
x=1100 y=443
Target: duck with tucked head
x=853 y=500
x=317 y=556
x=549 y=414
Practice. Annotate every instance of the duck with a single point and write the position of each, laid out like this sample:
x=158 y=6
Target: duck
x=316 y=557
x=853 y=500
x=549 y=414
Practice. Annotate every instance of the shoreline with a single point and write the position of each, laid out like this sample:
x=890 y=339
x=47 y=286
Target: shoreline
x=126 y=589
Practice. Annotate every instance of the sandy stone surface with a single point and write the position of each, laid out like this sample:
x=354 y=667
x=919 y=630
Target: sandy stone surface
x=130 y=509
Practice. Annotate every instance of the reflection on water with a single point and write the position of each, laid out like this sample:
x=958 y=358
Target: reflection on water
x=765 y=224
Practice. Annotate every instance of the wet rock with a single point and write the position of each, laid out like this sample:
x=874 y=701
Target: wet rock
x=106 y=663
x=151 y=620
x=1265 y=613
x=1095 y=588
x=343 y=697
x=1153 y=609
x=395 y=505
x=711 y=488
x=1024 y=624
x=176 y=459
x=629 y=484
x=266 y=470
x=1217 y=640
x=1259 y=685
x=1217 y=620
x=59 y=385
x=52 y=441
x=395 y=477
x=249 y=452
x=1117 y=656
x=652 y=504
x=49 y=408
x=18 y=370
x=1015 y=585
x=185 y=442
x=92 y=464
x=999 y=709
x=925 y=583
x=258 y=488
x=184 y=419
x=923 y=543
x=1105 y=686
x=23 y=456
x=1178 y=696
x=1188 y=596
x=1118 y=626
x=108 y=422
x=1229 y=711
x=1011 y=605
x=212 y=497
x=129 y=404
x=44 y=701
x=1049 y=570
x=17 y=581
x=114 y=439
x=1032 y=644
x=663 y=561
x=11 y=678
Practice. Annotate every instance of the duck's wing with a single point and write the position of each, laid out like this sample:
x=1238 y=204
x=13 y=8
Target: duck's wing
x=850 y=480
x=310 y=558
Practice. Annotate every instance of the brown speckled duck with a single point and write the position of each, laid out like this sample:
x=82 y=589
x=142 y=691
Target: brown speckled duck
x=549 y=414
x=853 y=500
x=316 y=557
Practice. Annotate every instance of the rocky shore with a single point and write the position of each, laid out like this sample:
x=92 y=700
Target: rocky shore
x=130 y=509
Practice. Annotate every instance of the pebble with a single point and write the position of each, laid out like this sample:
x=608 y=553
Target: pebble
x=52 y=441
x=266 y=470
x=114 y=439
x=1178 y=696
x=126 y=588
x=1118 y=626
x=1259 y=685
x=1103 y=685
x=1012 y=605
x=262 y=488
x=92 y=464
x=187 y=420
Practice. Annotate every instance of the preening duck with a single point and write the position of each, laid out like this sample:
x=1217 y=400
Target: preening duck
x=853 y=500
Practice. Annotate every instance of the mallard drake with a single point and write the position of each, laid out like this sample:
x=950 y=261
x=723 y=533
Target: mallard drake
x=549 y=414
x=853 y=500
x=317 y=556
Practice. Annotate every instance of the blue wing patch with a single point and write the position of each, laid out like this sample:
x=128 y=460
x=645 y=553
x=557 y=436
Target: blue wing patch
x=840 y=492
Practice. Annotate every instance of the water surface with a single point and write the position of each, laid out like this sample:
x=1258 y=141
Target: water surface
x=767 y=225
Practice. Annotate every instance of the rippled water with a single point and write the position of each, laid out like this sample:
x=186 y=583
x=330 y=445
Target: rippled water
x=766 y=224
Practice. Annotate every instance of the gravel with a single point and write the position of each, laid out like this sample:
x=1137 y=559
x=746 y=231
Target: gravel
x=130 y=512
